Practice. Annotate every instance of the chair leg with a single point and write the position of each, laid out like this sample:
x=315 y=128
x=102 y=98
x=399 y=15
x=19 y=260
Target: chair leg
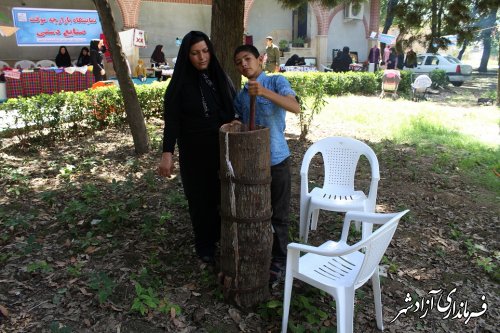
x=357 y=224
x=314 y=219
x=304 y=219
x=286 y=299
x=378 y=300
x=345 y=310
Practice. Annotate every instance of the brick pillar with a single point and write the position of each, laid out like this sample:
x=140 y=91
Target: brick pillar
x=321 y=50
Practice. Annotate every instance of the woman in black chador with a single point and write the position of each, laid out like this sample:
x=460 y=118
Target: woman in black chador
x=97 y=50
x=84 y=57
x=62 y=58
x=198 y=100
x=158 y=59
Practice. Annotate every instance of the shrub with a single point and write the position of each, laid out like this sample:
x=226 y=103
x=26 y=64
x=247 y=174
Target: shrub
x=95 y=108
x=439 y=78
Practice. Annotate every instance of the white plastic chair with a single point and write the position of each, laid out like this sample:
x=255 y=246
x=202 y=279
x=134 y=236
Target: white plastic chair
x=326 y=68
x=339 y=268
x=340 y=157
x=420 y=86
x=45 y=63
x=3 y=64
x=24 y=64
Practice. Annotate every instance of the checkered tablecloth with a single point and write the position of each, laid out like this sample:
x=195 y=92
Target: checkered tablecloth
x=31 y=83
x=14 y=87
x=48 y=82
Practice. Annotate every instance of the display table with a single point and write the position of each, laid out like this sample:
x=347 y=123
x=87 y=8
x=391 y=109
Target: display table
x=356 y=67
x=299 y=68
x=47 y=82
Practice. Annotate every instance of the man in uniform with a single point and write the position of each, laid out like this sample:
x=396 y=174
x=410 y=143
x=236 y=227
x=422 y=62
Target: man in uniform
x=273 y=56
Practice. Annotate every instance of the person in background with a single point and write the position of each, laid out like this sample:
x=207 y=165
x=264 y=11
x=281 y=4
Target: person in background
x=411 y=59
x=374 y=55
x=345 y=60
x=335 y=66
x=400 y=56
x=295 y=60
x=83 y=58
x=393 y=59
x=273 y=56
x=274 y=96
x=97 y=50
x=157 y=60
x=140 y=70
x=62 y=58
x=387 y=53
x=198 y=101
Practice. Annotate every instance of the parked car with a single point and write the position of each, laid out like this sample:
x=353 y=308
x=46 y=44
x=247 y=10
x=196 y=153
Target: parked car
x=456 y=71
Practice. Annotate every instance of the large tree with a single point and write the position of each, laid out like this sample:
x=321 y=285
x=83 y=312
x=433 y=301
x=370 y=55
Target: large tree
x=488 y=24
x=227 y=33
x=135 y=118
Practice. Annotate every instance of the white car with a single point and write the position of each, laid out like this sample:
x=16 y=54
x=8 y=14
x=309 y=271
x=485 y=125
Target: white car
x=456 y=71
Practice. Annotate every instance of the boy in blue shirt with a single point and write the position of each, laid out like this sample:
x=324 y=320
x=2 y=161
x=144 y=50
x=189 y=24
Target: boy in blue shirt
x=273 y=96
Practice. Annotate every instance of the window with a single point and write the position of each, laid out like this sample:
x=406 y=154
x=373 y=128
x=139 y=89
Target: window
x=431 y=60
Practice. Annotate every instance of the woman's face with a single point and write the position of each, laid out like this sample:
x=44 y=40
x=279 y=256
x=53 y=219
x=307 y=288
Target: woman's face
x=199 y=55
x=84 y=52
x=63 y=50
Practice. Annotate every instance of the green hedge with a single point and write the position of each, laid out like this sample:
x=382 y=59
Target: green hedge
x=95 y=108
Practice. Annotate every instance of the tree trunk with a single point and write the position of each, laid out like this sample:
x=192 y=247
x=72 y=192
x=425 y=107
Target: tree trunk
x=135 y=118
x=486 y=38
x=227 y=34
x=462 y=50
x=389 y=18
x=434 y=22
x=246 y=235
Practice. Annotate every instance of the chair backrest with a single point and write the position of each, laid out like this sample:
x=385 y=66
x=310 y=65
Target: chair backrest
x=24 y=64
x=422 y=81
x=3 y=64
x=340 y=157
x=375 y=246
x=46 y=63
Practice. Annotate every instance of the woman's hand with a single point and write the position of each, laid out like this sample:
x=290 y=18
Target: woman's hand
x=103 y=71
x=166 y=167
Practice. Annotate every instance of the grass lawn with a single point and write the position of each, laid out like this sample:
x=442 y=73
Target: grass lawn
x=92 y=240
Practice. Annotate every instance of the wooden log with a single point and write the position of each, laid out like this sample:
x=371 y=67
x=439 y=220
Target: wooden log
x=246 y=234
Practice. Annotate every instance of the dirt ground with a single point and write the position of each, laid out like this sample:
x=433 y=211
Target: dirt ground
x=63 y=270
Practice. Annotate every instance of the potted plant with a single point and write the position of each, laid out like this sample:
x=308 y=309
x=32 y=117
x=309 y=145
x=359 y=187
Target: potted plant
x=283 y=45
x=298 y=42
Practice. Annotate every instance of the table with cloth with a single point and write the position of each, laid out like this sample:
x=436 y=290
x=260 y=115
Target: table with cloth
x=298 y=69
x=47 y=81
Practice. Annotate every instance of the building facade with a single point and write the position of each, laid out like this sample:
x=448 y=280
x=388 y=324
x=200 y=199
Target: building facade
x=321 y=29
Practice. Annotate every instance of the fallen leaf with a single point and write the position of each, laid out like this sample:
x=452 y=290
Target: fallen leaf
x=91 y=249
x=235 y=315
x=4 y=311
x=85 y=292
x=172 y=313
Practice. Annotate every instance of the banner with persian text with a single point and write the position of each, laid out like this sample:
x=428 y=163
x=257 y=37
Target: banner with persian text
x=49 y=26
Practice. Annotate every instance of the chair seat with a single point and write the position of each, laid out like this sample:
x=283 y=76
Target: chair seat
x=330 y=271
x=339 y=202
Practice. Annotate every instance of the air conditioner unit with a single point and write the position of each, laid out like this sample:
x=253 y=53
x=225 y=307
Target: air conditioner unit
x=354 y=11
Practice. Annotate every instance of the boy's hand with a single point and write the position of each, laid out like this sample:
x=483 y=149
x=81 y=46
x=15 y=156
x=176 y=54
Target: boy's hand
x=254 y=88
x=166 y=167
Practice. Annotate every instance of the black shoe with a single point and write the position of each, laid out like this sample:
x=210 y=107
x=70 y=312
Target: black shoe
x=208 y=259
x=276 y=273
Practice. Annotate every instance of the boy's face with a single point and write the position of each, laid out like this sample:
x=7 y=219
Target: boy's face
x=248 y=65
